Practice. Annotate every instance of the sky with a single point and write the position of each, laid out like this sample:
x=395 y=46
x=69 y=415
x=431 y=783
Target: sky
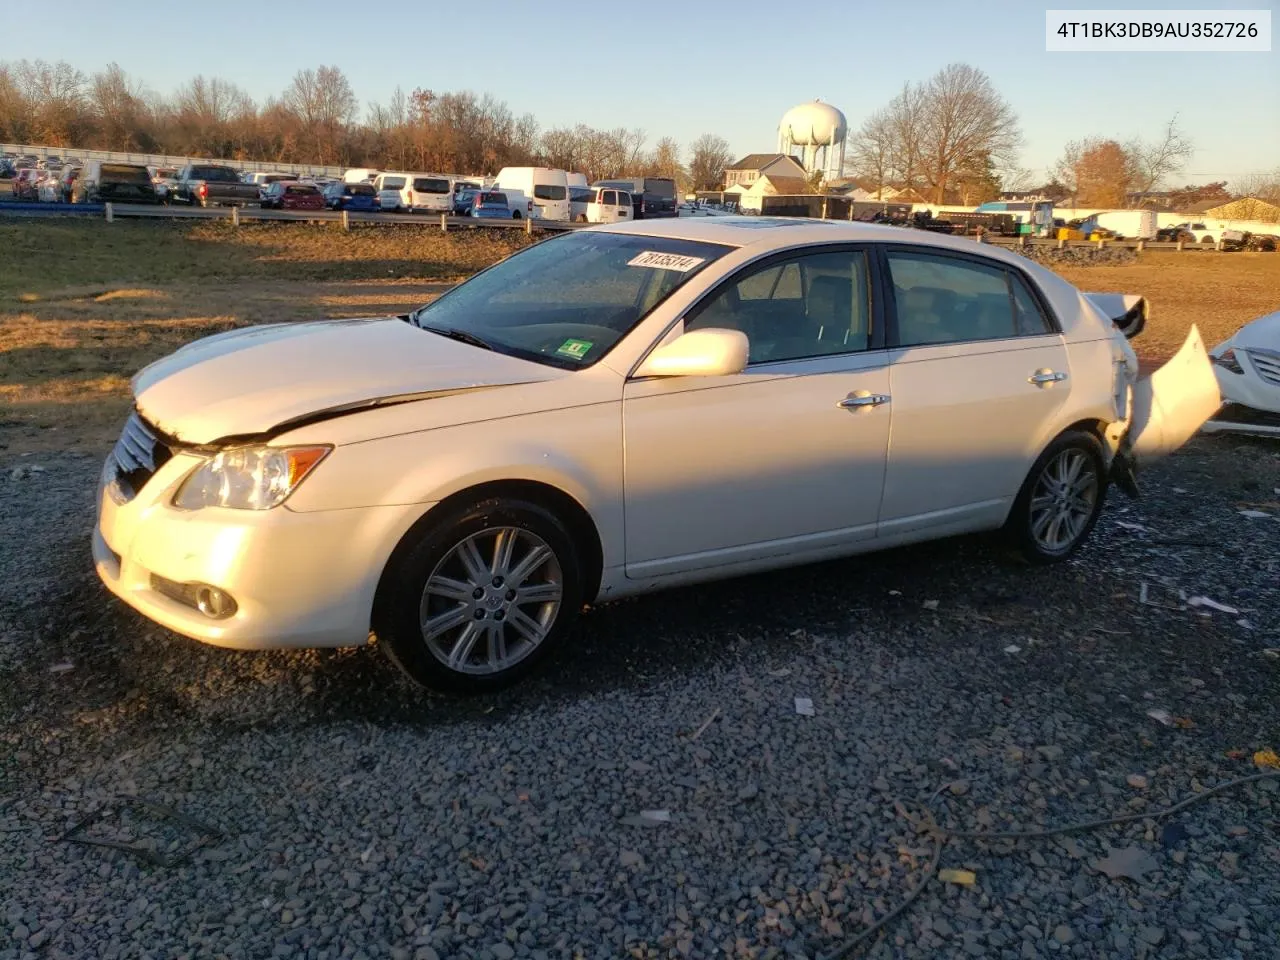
x=684 y=69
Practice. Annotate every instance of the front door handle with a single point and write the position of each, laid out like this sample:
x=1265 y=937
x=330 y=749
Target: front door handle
x=1044 y=376
x=863 y=399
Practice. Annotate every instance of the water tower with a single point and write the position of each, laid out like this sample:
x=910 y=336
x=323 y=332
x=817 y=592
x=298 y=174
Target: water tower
x=820 y=129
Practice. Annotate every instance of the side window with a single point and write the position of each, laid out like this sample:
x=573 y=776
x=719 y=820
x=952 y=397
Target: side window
x=610 y=198
x=1028 y=318
x=949 y=300
x=809 y=306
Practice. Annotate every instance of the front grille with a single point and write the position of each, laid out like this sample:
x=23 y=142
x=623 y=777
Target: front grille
x=1267 y=364
x=138 y=454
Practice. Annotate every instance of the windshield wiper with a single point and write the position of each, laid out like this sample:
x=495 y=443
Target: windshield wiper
x=462 y=336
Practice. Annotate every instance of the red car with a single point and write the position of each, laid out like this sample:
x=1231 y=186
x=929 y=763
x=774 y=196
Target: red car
x=291 y=195
x=26 y=185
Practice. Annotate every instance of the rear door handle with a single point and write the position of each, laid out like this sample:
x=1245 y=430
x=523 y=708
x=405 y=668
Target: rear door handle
x=1042 y=378
x=862 y=399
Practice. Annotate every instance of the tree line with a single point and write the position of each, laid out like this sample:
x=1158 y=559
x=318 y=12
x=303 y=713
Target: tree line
x=318 y=119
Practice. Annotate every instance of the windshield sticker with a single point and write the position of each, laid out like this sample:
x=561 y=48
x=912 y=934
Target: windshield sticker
x=665 y=261
x=575 y=348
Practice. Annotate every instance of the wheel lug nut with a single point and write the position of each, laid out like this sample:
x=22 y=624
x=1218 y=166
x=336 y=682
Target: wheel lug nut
x=511 y=595
x=499 y=615
x=497 y=581
x=479 y=614
x=478 y=593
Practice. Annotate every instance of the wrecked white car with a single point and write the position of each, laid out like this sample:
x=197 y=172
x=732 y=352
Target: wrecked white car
x=618 y=410
x=1248 y=369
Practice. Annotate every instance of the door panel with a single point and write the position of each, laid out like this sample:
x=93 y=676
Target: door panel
x=967 y=425
x=725 y=469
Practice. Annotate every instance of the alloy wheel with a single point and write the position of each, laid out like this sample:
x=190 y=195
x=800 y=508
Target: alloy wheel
x=491 y=601
x=1063 y=500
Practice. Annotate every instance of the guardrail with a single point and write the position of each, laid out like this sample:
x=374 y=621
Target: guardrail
x=346 y=218
x=445 y=223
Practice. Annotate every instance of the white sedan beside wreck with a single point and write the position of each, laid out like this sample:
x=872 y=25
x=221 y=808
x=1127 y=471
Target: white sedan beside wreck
x=614 y=411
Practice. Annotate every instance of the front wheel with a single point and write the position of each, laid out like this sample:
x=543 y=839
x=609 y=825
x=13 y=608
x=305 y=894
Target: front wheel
x=472 y=600
x=1061 y=499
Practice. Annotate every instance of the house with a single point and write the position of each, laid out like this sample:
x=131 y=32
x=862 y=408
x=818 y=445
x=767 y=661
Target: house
x=1247 y=208
x=756 y=165
x=771 y=186
x=1200 y=207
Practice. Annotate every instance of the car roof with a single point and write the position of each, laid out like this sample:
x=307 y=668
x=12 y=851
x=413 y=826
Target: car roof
x=784 y=232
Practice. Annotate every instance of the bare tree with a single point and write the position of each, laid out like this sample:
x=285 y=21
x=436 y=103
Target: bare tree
x=324 y=104
x=873 y=147
x=665 y=162
x=1260 y=186
x=906 y=130
x=55 y=101
x=708 y=156
x=117 y=106
x=963 y=117
x=1156 y=161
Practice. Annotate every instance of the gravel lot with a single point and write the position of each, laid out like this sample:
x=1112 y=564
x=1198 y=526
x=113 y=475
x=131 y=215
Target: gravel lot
x=365 y=819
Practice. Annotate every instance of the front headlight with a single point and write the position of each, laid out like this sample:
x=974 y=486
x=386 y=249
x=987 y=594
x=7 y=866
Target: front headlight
x=248 y=478
x=1227 y=360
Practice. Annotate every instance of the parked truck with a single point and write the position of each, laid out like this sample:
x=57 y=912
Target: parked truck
x=209 y=185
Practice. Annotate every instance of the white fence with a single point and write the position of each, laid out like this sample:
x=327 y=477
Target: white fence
x=164 y=160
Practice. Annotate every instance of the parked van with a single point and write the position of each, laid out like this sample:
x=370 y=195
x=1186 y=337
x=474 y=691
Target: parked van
x=429 y=194
x=548 y=187
x=604 y=205
x=576 y=179
x=360 y=175
x=391 y=190
x=579 y=199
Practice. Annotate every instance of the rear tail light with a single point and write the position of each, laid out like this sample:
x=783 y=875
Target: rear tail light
x=203 y=190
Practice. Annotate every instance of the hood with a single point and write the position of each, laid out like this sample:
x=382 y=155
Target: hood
x=1260 y=334
x=248 y=382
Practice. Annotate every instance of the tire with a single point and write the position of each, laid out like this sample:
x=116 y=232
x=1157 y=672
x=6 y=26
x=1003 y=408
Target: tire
x=1044 y=542
x=515 y=215
x=467 y=626
x=582 y=218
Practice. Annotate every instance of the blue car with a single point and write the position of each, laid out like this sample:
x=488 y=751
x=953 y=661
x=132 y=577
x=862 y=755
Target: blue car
x=351 y=196
x=491 y=203
x=463 y=199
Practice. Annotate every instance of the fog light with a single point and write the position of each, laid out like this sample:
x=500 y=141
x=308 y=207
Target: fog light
x=214 y=603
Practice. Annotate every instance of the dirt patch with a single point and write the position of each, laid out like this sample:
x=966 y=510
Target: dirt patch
x=1218 y=292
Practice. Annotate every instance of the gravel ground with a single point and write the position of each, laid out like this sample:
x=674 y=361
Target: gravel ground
x=365 y=819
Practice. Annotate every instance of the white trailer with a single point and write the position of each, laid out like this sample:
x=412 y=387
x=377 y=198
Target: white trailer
x=1129 y=224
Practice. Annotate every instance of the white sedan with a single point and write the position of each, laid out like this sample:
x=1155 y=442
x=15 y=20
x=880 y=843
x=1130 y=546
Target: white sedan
x=614 y=411
x=1248 y=368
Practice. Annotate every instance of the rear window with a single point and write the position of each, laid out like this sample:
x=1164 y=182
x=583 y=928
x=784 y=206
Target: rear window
x=393 y=183
x=661 y=186
x=494 y=198
x=430 y=185
x=220 y=174
x=125 y=173
x=549 y=191
x=360 y=190
x=302 y=188
x=581 y=195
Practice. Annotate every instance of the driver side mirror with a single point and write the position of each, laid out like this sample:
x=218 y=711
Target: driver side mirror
x=713 y=352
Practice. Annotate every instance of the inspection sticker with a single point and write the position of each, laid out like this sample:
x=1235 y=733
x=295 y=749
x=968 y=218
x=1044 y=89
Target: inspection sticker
x=664 y=261
x=574 y=348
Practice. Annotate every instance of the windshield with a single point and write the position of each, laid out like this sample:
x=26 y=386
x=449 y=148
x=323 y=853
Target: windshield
x=568 y=300
x=548 y=191
x=430 y=185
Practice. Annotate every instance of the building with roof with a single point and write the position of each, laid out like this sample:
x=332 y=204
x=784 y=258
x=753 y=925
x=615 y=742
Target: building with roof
x=756 y=165
x=1246 y=208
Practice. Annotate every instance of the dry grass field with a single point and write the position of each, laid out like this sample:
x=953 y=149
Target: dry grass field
x=83 y=306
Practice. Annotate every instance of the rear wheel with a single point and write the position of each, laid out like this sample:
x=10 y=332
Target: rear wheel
x=515 y=215
x=1061 y=499
x=475 y=598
